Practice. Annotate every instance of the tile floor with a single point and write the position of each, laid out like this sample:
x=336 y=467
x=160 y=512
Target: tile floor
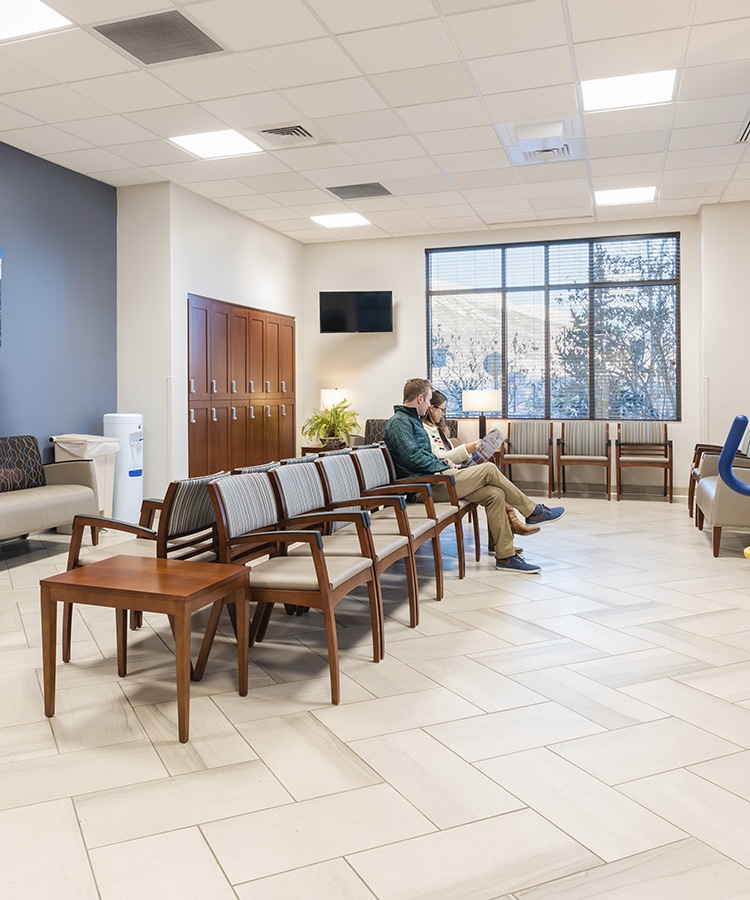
x=584 y=733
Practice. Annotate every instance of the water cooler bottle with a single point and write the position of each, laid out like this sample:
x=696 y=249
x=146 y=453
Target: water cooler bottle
x=128 y=486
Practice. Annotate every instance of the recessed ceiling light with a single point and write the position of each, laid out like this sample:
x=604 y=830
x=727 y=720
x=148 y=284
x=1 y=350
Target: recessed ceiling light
x=624 y=195
x=19 y=19
x=341 y=220
x=216 y=144
x=625 y=91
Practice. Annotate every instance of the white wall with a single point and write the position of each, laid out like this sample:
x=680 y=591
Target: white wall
x=172 y=242
x=375 y=367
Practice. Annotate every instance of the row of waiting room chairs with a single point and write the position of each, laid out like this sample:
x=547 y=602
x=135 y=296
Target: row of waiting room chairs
x=311 y=530
x=581 y=443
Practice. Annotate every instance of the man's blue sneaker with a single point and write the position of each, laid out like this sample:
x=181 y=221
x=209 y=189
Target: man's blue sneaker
x=543 y=513
x=517 y=564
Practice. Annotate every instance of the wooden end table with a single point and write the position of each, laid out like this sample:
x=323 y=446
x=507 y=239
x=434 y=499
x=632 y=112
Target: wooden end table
x=173 y=587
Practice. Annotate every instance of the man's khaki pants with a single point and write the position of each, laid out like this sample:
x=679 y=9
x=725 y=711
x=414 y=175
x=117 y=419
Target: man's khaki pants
x=485 y=484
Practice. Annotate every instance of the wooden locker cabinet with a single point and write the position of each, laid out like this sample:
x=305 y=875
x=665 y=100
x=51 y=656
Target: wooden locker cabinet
x=241 y=383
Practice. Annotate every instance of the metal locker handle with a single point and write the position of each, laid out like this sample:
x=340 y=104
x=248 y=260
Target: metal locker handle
x=213 y=414
x=213 y=385
x=252 y=386
x=283 y=387
x=283 y=409
x=268 y=387
x=192 y=417
x=234 y=386
x=192 y=385
x=268 y=412
x=252 y=412
x=234 y=413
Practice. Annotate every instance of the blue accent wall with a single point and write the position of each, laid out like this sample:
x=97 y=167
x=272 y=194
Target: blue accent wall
x=58 y=359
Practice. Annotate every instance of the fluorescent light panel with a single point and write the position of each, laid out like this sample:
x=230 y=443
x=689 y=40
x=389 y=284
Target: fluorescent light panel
x=625 y=195
x=20 y=18
x=216 y=144
x=341 y=220
x=625 y=91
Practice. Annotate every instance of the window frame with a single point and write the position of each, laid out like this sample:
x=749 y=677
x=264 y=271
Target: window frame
x=503 y=291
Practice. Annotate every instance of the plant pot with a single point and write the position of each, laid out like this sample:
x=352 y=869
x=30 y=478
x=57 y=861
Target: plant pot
x=333 y=444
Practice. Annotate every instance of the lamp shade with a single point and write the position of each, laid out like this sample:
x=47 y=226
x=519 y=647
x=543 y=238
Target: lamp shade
x=331 y=396
x=481 y=401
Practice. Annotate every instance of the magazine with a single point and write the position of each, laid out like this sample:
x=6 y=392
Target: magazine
x=488 y=447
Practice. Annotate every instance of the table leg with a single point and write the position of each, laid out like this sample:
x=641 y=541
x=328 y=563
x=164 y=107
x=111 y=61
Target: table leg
x=49 y=645
x=182 y=655
x=121 y=627
x=242 y=605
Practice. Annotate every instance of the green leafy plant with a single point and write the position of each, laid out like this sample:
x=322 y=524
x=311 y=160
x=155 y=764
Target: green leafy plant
x=336 y=424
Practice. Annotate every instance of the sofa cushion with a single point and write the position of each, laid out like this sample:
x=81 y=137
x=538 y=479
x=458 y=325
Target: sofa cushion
x=20 y=463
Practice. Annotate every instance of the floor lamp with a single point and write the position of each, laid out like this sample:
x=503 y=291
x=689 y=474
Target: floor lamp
x=481 y=401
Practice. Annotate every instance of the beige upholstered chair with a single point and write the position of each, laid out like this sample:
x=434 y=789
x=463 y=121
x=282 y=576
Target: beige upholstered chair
x=699 y=451
x=583 y=443
x=529 y=443
x=716 y=502
x=643 y=444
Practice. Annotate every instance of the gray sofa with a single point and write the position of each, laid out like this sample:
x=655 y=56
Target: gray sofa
x=35 y=497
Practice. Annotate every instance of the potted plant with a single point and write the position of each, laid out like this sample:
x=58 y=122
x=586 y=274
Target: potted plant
x=333 y=427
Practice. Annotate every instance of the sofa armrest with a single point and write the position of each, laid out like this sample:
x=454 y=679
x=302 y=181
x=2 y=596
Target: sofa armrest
x=72 y=471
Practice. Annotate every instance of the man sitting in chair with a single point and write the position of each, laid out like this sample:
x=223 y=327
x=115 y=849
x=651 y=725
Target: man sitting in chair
x=409 y=445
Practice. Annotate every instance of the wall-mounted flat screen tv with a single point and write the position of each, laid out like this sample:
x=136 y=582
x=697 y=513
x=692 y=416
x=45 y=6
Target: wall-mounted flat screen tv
x=351 y=311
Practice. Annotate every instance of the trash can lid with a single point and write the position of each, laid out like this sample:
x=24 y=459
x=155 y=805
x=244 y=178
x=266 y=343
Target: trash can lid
x=57 y=438
x=86 y=445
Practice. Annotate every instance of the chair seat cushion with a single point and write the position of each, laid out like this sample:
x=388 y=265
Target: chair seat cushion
x=584 y=459
x=297 y=573
x=644 y=460
x=346 y=543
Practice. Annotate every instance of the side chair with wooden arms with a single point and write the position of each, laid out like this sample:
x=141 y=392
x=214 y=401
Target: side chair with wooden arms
x=528 y=443
x=186 y=530
x=643 y=444
x=584 y=443
x=247 y=523
x=718 y=503
x=699 y=451
x=341 y=488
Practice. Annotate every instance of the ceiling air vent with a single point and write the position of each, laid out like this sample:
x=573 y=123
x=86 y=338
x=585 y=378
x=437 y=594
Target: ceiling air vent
x=531 y=143
x=359 y=191
x=745 y=134
x=288 y=136
x=159 y=38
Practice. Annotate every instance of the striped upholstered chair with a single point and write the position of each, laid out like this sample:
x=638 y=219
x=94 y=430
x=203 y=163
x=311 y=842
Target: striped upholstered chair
x=583 y=443
x=529 y=443
x=643 y=444
x=247 y=522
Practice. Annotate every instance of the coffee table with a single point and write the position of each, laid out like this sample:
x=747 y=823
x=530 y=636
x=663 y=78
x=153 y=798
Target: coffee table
x=173 y=587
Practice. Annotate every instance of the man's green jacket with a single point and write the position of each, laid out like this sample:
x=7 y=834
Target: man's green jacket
x=409 y=444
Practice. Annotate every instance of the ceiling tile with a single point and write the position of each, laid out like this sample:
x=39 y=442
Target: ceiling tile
x=716 y=10
x=509 y=29
x=54 y=104
x=257 y=24
x=210 y=77
x=306 y=62
x=402 y=147
x=68 y=56
x=274 y=183
x=469 y=162
x=704 y=136
x=485 y=178
x=88 y=161
x=704 y=190
x=222 y=187
x=519 y=71
x=416 y=44
x=627 y=180
x=11 y=119
x=627 y=144
x=449 y=114
x=482 y=137
x=151 y=153
x=624 y=165
x=173 y=121
x=90 y=11
x=126 y=177
x=357 y=15
x=627 y=121
x=324 y=156
x=248 y=166
x=582 y=200
x=534 y=105
x=592 y=20
x=715 y=81
x=252 y=111
x=43 y=139
x=129 y=92
x=185 y=172
x=294 y=199
x=375 y=123
x=428 y=184
x=631 y=55
x=711 y=156
x=699 y=174
x=557 y=188
x=334 y=98
x=17 y=77
x=428 y=84
x=479 y=196
x=105 y=131
x=719 y=43
x=554 y=171
x=436 y=200
x=733 y=109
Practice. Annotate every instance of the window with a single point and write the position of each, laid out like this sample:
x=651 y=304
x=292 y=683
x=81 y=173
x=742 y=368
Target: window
x=583 y=329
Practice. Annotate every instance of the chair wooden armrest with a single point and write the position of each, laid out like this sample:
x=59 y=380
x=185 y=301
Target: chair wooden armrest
x=82 y=522
x=149 y=508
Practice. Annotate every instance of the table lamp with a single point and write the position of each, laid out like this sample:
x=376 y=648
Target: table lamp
x=481 y=401
x=331 y=396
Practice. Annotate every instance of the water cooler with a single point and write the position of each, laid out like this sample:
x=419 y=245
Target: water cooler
x=128 y=481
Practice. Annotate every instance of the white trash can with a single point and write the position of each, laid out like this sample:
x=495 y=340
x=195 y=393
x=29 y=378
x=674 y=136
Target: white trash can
x=128 y=489
x=102 y=450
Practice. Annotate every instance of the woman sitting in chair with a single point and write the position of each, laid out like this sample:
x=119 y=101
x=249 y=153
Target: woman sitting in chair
x=434 y=424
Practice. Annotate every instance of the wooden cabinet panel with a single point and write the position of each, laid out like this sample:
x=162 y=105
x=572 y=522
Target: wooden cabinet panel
x=241 y=366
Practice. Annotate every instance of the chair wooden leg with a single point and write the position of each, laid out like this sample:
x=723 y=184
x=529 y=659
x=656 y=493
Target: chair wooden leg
x=475 y=523
x=412 y=584
x=618 y=477
x=691 y=495
x=699 y=518
x=208 y=640
x=67 y=630
x=460 y=549
x=716 y=539
x=333 y=654
x=437 y=555
x=94 y=536
x=259 y=625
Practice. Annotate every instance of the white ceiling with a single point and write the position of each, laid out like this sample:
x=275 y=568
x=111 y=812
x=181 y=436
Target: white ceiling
x=408 y=93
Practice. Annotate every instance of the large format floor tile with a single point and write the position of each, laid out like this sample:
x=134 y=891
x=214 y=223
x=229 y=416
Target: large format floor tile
x=578 y=735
